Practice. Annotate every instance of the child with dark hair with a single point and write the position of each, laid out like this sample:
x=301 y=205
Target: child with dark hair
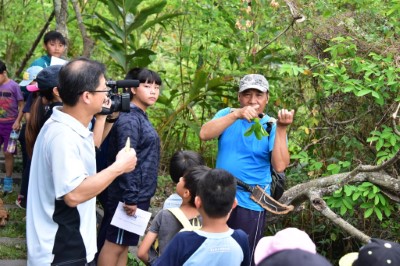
x=54 y=43
x=179 y=163
x=11 y=104
x=166 y=225
x=215 y=243
x=136 y=188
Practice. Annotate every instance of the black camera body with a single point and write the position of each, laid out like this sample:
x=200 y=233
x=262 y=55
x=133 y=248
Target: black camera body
x=119 y=102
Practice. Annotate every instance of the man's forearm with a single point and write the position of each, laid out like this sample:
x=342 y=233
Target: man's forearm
x=92 y=185
x=280 y=154
x=214 y=128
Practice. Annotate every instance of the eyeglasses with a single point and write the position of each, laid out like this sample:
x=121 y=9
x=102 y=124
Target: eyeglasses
x=108 y=91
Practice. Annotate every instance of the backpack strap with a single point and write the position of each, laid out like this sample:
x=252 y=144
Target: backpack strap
x=269 y=124
x=178 y=213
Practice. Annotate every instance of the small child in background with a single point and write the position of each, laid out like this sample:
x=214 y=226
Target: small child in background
x=215 y=243
x=11 y=105
x=179 y=163
x=54 y=43
x=166 y=225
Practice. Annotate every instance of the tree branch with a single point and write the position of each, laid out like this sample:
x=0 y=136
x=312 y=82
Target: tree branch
x=34 y=45
x=320 y=205
x=394 y=116
x=88 y=43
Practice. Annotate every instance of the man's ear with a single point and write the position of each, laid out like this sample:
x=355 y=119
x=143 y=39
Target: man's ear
x=197 y=202
x=85 y=97
x=55 y=91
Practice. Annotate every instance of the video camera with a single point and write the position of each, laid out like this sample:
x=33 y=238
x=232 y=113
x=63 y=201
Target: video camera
x=119 y=102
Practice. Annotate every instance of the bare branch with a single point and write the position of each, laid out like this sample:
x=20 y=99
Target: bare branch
x=353 y=119
x=35 y=44
x=88 y=43
x=370 y=168
x=314 y=190
x=320 y=205
x=394 y=116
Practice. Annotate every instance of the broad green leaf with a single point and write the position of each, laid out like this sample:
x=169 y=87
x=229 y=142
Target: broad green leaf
x=356 y=196
x=387 y=212
x=143 y=15
x=366 y=205
x=200 y=80
x=368 y=213
x=343 y=210
x=348 y=203
x=111 y=25
x=363 y=92
x=376 y=200
x=382 y=199
x=159 y=20
x=378 y=214
x=371 y=195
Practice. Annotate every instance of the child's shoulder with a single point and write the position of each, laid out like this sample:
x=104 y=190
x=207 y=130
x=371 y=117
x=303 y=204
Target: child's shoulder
x=240 y=233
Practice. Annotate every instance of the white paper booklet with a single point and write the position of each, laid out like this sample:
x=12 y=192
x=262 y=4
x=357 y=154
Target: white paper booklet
x=136 y=224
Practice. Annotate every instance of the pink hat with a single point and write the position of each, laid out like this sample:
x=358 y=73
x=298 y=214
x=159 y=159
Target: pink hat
x=289 y=238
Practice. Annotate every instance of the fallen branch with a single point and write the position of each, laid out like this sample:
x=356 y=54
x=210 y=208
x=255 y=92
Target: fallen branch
x=315 y=190
x=320 y=205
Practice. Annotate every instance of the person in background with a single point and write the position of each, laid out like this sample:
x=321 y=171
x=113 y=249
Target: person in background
x=136 y=188
x=29 y=78
x=11 y=105
x=54 y=44
x=61 y=206
x=377 y=252
x=246 y=157
x=215 y=243
x=288 y=247
x=166 y=225
x=178 y=164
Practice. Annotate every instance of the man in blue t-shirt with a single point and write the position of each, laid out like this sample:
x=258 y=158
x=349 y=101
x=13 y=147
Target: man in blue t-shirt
x=248 y=158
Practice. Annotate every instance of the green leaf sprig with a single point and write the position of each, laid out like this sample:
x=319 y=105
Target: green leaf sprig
x=257 y=129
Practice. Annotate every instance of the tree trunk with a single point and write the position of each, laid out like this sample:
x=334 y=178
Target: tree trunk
x=61 y=12
x=88 y=43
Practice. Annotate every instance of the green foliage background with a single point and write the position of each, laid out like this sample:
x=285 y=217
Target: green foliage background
x=339 y=70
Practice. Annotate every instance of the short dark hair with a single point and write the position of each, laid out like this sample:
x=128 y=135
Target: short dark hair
x=217 y=190
x=181 y=161
x=54 y=36
x=192 y=177
x=78 y=76
x=3 y=67
x=144 y=75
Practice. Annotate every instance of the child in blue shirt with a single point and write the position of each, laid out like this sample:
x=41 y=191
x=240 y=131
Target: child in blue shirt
x=215 y=243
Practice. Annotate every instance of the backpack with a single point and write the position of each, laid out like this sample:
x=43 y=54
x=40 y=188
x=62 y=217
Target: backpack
x=278 y=179
x=187 y=226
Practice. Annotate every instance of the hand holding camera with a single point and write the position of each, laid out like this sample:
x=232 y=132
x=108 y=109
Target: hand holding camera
x=119 y=102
